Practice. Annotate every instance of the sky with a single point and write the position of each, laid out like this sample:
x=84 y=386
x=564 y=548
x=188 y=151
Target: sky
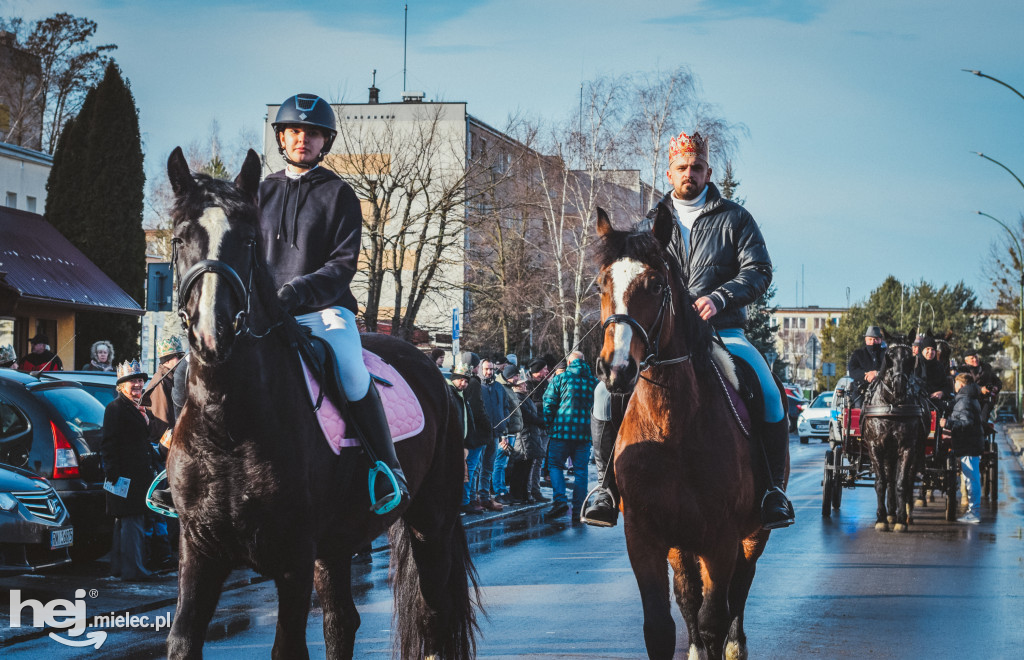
x=860 y=159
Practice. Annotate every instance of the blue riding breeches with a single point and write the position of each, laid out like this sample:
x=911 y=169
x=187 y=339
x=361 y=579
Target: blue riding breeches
x=736 y=343
x=337 y=326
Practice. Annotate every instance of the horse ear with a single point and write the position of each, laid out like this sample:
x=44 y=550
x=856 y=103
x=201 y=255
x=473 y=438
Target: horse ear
x=663 y=222
x=248 y=180
x=604 y=224
x=179 y=174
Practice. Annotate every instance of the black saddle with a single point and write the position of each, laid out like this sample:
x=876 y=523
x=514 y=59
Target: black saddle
x=319 y=357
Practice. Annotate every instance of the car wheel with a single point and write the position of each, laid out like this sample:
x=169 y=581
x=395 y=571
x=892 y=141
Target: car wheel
x=804 y=439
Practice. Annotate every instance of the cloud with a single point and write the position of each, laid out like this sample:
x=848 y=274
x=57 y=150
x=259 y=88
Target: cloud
x=711 y=11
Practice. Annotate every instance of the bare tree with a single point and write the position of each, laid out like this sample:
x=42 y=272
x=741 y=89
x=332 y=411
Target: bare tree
x=417 y=187
x=69 y=67
x=663 y=105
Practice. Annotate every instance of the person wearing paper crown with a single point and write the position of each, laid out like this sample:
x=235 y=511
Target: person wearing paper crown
x=127 y=454
x=8 y=358
x=310 y=231
x=725 y=265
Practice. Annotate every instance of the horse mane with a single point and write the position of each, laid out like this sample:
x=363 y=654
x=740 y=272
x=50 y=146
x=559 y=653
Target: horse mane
x=645 y=248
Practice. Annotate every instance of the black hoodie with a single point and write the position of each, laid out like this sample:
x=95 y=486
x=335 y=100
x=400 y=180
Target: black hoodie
x=310 y=230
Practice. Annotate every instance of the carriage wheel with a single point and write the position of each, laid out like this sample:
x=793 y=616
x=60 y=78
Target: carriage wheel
x=837 y=494
x=952 y=478
x=828 y=484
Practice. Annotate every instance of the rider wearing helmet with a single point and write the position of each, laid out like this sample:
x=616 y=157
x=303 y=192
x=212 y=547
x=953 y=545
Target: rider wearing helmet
x=310 y=226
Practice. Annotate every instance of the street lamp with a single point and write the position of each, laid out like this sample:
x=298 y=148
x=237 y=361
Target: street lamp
x=985 y=75
x=1020 y=307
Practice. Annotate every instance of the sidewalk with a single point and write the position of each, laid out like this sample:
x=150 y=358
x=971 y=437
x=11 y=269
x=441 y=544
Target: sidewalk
x=1015 y=437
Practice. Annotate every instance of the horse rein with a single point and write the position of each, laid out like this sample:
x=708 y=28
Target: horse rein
x=243 y=292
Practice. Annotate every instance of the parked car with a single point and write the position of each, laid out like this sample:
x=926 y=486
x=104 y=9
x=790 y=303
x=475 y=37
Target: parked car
x=101 y=384
x=814 y=420
x=35 y=526
x=53 y=428
x=796 y=405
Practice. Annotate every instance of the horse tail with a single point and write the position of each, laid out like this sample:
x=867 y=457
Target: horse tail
x=436 y=593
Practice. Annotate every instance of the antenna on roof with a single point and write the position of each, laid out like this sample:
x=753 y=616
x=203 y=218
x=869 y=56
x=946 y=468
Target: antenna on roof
x=405 y=46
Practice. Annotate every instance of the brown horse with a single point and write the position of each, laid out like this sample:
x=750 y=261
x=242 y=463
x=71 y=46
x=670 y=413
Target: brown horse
x=253 y=478
x=682 y=460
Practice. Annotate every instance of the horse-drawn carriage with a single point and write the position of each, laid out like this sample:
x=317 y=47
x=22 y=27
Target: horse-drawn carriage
x=848 y=463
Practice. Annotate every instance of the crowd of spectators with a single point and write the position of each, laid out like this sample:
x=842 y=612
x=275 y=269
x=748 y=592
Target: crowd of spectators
x=524 y=425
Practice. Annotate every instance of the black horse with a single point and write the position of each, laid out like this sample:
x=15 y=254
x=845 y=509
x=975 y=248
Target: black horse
x=892 y=424
x=255 y=482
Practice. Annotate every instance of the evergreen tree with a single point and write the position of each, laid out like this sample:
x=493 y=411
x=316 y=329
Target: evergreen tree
x=95 y=199
x=904 y=310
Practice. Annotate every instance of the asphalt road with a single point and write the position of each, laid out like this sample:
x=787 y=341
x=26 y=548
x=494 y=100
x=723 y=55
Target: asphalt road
x=831 y=588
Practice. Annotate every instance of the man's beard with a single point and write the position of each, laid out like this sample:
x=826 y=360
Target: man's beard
x=691 y=193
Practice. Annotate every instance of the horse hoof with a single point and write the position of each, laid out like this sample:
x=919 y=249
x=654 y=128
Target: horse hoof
x=890 y=519
x=899 y=527
x=919 y=502
x=881 y=527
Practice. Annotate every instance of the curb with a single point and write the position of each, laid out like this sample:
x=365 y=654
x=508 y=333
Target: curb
x=1015 y=439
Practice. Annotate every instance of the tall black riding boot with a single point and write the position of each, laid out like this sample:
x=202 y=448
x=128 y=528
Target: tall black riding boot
x=776 y=509
x=368 y=414
x=604 y=511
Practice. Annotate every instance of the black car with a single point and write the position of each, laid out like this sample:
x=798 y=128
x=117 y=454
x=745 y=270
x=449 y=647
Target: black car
x=101 y=384
x=53 y=428
x=796 y=406
x=35 y=527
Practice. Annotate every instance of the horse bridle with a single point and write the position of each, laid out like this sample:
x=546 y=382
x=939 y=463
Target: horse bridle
x=894 y=410
x=230 y=275
x=651 y=347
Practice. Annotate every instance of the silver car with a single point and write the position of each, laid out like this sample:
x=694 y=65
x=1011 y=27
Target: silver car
x=814 y=420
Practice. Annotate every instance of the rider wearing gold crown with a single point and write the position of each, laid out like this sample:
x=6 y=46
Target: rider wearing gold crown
x=725 y=265
x=311 y=226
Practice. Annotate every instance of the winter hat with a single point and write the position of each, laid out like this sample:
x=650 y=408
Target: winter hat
x=510 y=372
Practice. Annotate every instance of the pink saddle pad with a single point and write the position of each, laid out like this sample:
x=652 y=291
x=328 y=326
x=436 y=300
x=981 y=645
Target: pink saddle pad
x=403 y=409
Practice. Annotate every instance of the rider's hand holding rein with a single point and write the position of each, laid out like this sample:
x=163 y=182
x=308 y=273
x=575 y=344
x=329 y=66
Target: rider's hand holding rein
x=705 y=307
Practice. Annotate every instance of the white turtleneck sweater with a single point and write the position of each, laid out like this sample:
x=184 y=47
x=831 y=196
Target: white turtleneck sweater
x=686 y=212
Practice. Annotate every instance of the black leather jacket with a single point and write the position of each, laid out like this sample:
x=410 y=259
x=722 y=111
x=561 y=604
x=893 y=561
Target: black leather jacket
x=728 y=258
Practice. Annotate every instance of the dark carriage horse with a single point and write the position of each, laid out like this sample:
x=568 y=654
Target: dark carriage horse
x=683 y=461
x=255 y=482
x=894 y=421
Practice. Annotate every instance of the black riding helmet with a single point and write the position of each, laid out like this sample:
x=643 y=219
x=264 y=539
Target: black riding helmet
x=305 y=110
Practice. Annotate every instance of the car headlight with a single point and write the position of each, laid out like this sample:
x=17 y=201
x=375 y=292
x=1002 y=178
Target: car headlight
x=7 y=502
x=800 y=418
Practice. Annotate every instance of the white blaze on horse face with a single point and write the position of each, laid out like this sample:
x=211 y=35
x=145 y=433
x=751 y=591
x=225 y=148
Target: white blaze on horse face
x=215 y=222
x=623 y=273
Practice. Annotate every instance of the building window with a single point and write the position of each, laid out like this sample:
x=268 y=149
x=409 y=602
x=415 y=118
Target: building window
x=12 y=200
x=30 y=204
x=785 y=323
x=803 y=323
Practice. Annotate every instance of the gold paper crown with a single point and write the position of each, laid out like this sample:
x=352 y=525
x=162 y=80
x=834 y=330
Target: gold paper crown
x=686 y=145
x=128 y=370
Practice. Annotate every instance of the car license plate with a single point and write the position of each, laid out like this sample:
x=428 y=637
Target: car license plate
x=62 y=538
